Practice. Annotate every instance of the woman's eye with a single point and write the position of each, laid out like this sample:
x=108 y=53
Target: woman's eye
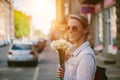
x=74 y=28
x=68 y=27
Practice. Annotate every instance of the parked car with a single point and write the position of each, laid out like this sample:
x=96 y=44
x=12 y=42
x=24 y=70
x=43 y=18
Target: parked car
x=22 y=53
x=7 y=42
x=40 y=45
x=2 y=43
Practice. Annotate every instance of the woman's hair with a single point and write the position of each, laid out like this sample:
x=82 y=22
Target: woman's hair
x=80 y=18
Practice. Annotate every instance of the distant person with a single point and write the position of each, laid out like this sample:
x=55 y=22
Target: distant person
x=80 y=63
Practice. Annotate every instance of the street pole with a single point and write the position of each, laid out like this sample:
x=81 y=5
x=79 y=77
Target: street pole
x=118 y=32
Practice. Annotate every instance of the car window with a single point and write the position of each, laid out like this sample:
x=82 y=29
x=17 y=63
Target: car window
x=21 y=47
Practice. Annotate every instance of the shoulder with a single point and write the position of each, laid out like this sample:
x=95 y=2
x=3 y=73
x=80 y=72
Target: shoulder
x=88 y=51
x=87 y=54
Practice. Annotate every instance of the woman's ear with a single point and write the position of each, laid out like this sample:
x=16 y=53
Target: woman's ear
x=86 y=30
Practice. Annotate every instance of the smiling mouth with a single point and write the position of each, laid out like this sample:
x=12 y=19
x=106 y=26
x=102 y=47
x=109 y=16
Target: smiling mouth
x=71 y=35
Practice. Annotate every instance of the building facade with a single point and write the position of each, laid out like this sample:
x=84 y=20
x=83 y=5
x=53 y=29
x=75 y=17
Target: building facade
x=6 y=19
x=118 y=31
x=106 y=27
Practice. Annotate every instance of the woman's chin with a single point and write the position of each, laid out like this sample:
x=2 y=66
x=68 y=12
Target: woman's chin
x=71 y=39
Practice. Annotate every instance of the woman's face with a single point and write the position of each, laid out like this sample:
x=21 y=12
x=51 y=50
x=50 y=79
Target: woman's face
x=75 y=30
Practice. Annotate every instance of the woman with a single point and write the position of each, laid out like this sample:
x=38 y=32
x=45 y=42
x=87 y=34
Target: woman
x=81 y=65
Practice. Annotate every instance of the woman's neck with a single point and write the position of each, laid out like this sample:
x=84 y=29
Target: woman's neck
x=79 y=43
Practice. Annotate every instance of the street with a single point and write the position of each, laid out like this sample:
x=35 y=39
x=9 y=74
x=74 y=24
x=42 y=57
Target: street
x=46 y=69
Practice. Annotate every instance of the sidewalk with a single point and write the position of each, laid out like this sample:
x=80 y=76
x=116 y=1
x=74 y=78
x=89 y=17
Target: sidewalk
x=113 y=72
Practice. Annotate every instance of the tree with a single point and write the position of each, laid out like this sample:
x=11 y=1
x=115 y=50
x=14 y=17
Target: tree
x=22 y=24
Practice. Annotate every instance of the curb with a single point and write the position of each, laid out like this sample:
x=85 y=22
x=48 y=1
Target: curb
x=106 y=58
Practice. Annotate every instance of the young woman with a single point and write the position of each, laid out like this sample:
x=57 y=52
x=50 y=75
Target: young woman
x=81 y=65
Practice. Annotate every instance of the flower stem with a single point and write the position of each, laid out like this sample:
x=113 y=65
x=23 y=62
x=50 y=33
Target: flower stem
x=61 y=78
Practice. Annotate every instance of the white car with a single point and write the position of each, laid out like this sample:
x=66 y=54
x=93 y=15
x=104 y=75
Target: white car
x=2 y=43
x=22 y=53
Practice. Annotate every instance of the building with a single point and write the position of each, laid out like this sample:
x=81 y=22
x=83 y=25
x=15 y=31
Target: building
x=106 y=25
x=118 y=31
x=59 y=25
x=6 y=19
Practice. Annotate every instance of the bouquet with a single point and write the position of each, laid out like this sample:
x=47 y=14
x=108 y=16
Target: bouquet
x=61 y=47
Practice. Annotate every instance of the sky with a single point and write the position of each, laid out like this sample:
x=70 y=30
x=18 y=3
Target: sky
x=42 y=12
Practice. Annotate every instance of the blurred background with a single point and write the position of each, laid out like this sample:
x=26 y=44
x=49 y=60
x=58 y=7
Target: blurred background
x=42 y=21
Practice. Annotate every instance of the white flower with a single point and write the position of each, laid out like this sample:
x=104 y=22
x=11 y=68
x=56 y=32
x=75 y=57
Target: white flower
x=61 y=44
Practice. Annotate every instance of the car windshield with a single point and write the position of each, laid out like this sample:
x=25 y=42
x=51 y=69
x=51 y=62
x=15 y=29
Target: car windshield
x=21 y=47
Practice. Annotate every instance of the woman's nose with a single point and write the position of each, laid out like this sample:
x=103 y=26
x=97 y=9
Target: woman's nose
x=70 y=30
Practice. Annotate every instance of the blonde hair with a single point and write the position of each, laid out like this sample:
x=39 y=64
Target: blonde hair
x=80 y=18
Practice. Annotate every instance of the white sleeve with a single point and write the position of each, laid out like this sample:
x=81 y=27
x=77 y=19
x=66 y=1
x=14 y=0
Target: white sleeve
x=86 y=68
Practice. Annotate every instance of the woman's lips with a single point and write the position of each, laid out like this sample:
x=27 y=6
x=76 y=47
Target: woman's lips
x=71 y=35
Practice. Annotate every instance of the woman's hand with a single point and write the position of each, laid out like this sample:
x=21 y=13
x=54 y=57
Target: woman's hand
x=60 y=72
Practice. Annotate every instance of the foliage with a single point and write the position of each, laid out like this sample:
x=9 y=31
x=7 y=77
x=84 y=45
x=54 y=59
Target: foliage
x=22 y=24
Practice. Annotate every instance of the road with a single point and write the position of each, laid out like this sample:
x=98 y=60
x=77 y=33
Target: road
x=46 y=69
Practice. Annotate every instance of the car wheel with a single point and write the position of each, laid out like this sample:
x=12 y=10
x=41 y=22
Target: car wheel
x=35 y=63
x=9 y=63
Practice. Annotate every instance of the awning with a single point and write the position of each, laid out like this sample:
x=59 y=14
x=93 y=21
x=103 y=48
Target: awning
x=91 y=2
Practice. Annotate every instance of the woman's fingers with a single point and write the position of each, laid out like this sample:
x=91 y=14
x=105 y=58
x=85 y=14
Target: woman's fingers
x=60 y=72
x=60 y=69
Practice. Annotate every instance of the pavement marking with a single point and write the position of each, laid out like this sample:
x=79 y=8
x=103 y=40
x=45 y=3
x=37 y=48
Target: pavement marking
x=36 y=73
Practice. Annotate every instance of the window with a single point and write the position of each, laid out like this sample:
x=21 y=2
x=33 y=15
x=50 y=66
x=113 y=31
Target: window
x=21 y=47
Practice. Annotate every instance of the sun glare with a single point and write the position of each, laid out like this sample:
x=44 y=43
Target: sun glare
x=42 y=12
